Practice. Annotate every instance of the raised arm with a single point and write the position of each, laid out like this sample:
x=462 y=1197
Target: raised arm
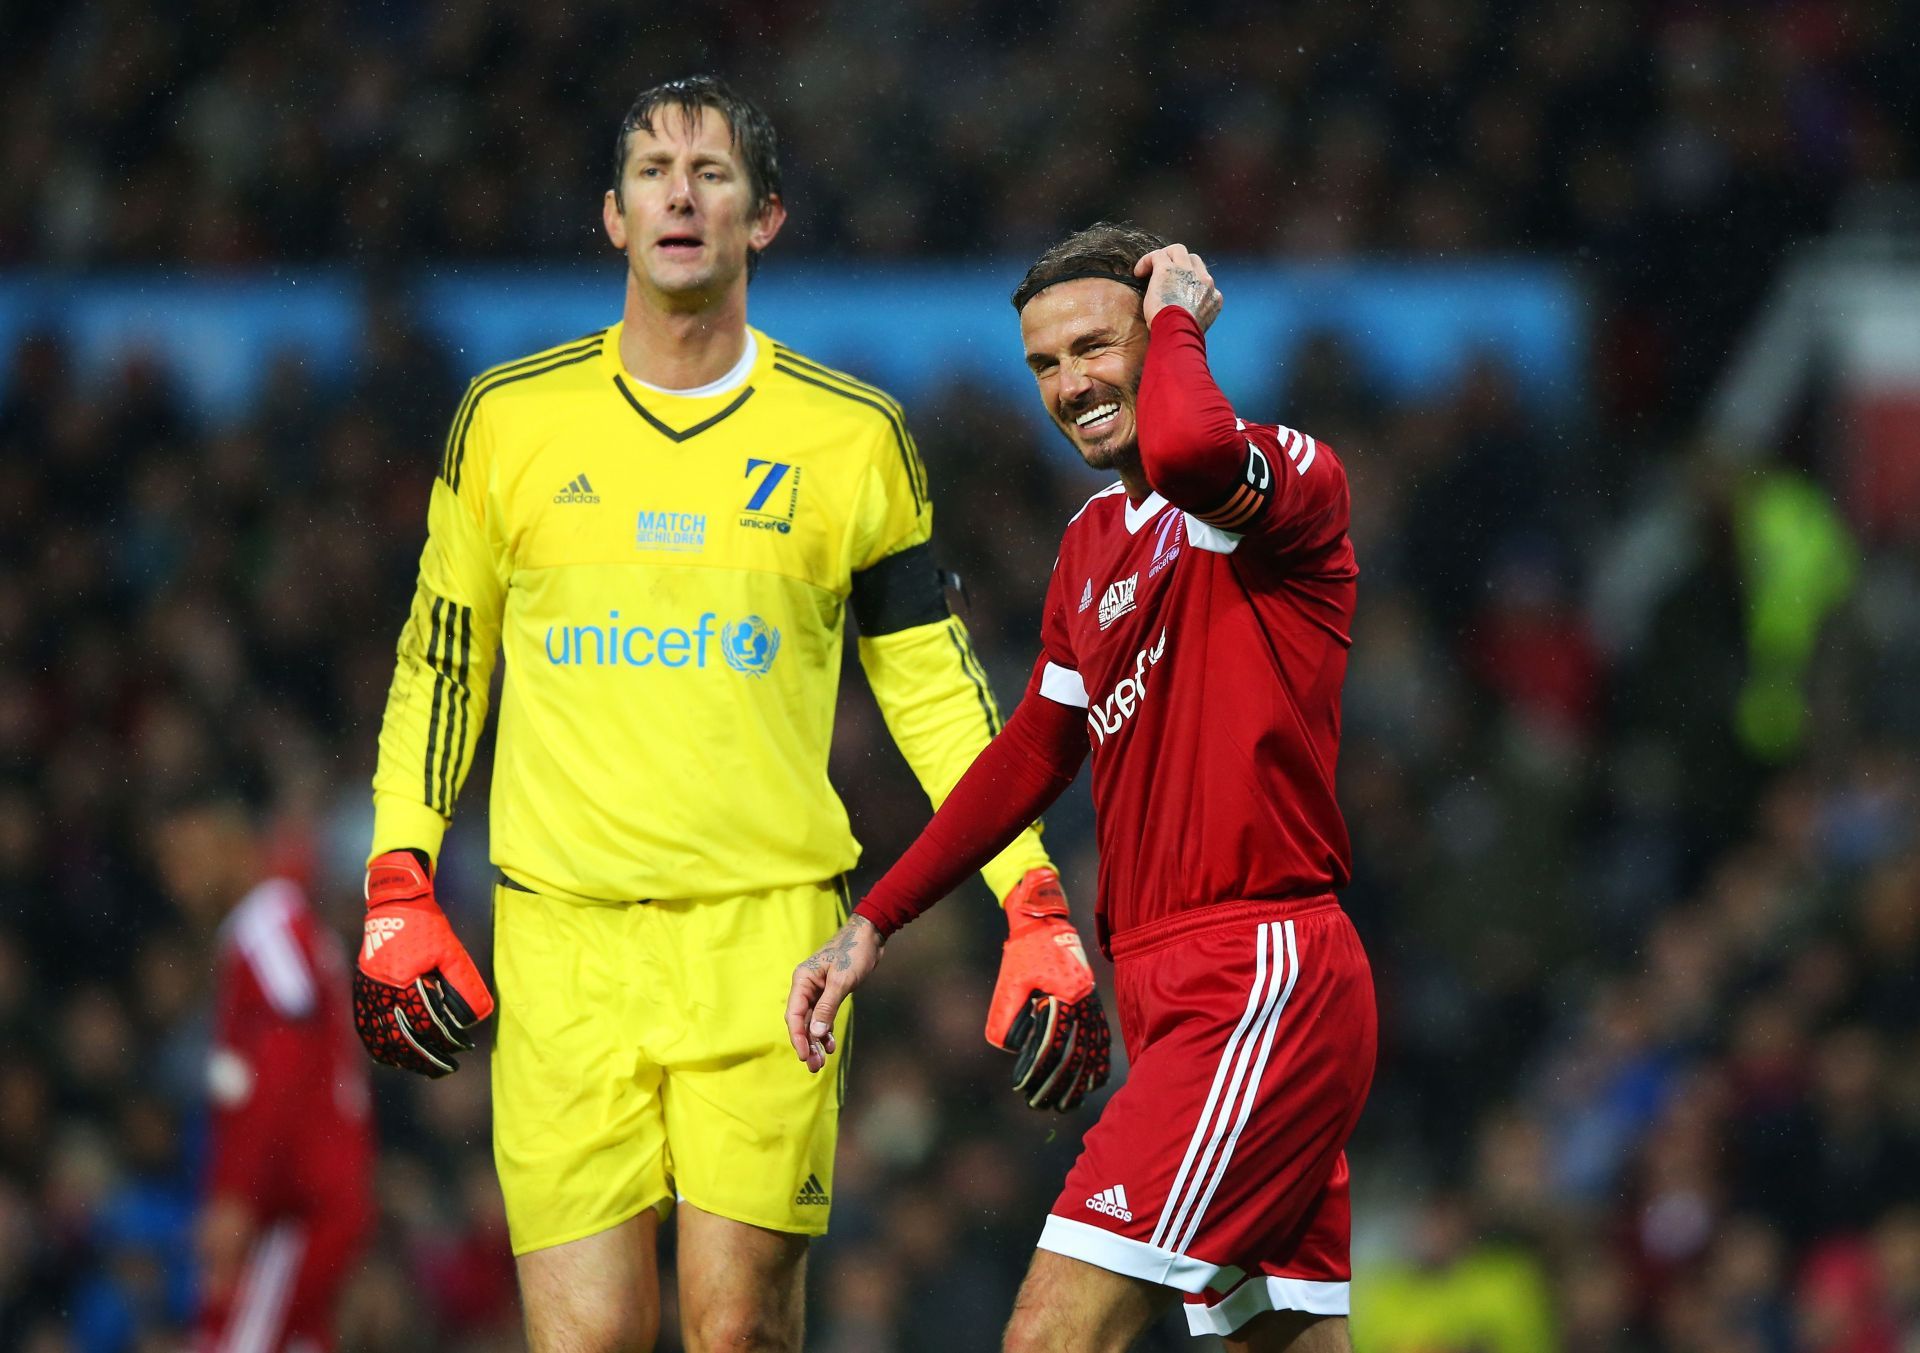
x=1270 y=483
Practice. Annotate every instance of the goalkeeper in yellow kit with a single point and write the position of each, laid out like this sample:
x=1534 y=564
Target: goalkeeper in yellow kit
x=662 y=526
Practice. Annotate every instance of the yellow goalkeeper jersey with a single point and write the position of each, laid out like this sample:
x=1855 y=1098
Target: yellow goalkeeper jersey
x=668 y=576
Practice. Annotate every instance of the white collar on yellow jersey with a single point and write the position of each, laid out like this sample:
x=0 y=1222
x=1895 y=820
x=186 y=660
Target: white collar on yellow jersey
x=731 y=381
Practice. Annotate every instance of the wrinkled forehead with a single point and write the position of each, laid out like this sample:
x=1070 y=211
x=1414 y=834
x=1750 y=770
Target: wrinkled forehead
x=1066 y=312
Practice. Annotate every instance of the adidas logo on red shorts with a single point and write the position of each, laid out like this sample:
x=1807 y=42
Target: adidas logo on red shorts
x=1113 y=1202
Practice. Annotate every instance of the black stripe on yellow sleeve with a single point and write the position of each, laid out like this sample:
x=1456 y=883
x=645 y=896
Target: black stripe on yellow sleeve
x=456 y=452
x=979 y=679
x=979 y=672
x=475 y=385
x=461 y=751
x=838 y=382
x=428 y=796
x=916 y=468
x=901 y=591
x=459 y=628
x=787 y=354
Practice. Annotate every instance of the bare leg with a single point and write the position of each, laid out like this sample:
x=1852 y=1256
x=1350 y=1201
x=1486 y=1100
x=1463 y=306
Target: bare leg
x=741 y=1286
x=1067 y=1306
x=1292 y=1332
x=598 y=1294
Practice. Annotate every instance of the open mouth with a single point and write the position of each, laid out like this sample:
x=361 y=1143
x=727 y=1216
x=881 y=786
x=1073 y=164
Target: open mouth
x=1099 y=418
x=678 y=246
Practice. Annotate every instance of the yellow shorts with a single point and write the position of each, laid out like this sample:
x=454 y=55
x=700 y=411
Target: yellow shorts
x=642 y=1054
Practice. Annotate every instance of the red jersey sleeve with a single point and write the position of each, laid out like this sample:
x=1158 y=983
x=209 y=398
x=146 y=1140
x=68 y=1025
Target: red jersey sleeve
x=1056 y=675
x=263 y=1037
x=245 y=1127
x=1270 y=485
x=1016 y=777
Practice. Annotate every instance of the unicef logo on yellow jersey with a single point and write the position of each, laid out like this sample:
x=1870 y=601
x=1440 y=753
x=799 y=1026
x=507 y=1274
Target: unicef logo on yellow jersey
x=750 y=645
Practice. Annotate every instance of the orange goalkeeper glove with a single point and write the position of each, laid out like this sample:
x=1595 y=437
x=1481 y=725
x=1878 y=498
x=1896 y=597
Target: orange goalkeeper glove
x=415 y=990
x=1045 y=1010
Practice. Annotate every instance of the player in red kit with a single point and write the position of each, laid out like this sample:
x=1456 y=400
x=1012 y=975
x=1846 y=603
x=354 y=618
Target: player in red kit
x=288 y=1201
x=1194 y=643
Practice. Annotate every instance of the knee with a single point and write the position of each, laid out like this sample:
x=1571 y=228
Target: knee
x=729 y=1326
x=1033 y=1329
x=597 y=1331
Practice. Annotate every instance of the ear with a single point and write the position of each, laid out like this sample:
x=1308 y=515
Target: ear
x=772 y=217
x=615 y=223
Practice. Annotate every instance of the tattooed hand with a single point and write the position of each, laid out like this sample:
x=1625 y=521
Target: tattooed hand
x=822 y=982
x=1177 y=276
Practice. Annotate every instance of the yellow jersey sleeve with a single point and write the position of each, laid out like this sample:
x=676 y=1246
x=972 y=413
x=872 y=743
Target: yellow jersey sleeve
x=931 y=688
x=939 y=707
x=437 y=704
x=894 y=513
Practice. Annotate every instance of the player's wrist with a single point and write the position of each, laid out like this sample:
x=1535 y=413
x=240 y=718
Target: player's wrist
x=875 y=917
x=1170 y=314
x=1038 y=900
x=401 y=875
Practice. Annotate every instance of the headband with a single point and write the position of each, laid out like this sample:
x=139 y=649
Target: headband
x=1080 y=273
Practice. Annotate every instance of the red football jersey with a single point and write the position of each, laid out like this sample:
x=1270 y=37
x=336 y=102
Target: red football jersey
x=1209 y=662
x=292 y=1133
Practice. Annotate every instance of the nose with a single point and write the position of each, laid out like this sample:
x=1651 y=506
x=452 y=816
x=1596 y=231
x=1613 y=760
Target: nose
x=1074 y=382
x=680 y=192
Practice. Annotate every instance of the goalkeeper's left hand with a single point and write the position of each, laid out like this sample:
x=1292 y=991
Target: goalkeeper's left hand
x=1045 y=1009
x=416 y=993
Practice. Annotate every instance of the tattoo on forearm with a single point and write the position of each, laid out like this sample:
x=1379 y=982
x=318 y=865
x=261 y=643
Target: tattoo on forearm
x=1182 y=286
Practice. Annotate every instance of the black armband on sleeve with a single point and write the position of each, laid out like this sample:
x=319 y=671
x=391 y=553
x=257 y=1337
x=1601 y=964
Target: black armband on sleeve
x=1237 y=510
x=901 y=591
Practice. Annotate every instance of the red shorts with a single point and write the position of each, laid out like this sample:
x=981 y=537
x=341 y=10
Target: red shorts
x=1219 y=1167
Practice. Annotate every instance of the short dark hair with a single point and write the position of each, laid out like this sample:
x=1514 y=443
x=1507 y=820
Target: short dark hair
x=1103 y=249
x=752 y=130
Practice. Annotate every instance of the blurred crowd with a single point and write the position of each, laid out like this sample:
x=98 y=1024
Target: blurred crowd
x=1650 y=1077
x=1672 y=148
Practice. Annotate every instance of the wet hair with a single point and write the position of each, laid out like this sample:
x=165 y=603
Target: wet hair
x=751 y=129
x=1104 y=249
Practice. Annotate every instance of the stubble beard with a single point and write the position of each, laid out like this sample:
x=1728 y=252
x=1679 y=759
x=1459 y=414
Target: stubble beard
x=1124 y=456
x=1118 y=456
x=685 y=294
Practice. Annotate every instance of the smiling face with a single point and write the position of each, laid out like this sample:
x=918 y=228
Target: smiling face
x=1086 y=344
x=684 y=213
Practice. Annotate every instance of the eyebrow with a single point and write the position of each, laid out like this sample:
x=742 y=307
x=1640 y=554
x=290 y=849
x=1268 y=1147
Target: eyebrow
x=1080 y=341
x=658 y=153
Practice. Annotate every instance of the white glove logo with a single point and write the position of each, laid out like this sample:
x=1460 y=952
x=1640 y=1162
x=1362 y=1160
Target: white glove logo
x=380 y=929
x=1066 y=940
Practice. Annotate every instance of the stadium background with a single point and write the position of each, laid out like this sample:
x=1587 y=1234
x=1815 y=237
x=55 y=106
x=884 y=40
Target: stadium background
x=1630 y=761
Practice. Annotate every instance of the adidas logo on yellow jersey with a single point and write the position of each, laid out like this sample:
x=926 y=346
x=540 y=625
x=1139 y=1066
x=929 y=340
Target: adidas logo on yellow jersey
x=579 y=491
